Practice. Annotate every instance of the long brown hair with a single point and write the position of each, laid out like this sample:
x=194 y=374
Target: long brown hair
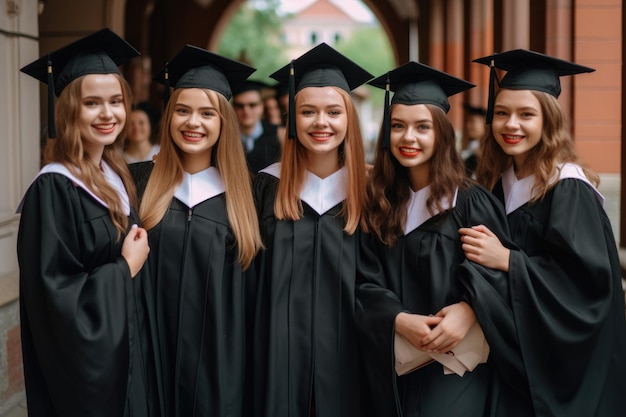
x=68 y=150
x=388 y=188
x=351 y=155
x=555 y=147
x=228 y=157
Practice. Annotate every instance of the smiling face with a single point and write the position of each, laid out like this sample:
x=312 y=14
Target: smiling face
x=321 y=120
x=102 y=113
x=195 y=127
x=517 y=123
x=412 y=140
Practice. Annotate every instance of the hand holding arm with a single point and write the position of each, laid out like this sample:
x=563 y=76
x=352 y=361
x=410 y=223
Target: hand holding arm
x=482 y=246
x=135 y=249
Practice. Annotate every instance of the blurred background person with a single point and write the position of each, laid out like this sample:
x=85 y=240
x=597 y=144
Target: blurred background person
x=473 y=132
x=141 y=144
x=259 y=137
x=271 y=109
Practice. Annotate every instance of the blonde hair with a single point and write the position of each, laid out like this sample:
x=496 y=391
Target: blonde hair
x=68 y=150
x=555 y=147
x=351 y=155
x=228 y=157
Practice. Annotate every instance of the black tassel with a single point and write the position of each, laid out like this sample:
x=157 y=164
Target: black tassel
x=493 y=79
x=292 y=103
x=386 y=118
x=166 y=87
x=52 y=133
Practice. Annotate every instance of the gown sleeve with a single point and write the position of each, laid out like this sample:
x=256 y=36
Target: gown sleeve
x=74 y=317
x=376 y=309
x=487 y=290
x=568 y=304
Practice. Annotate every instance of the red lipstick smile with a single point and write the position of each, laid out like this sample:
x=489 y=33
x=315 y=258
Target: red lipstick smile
x=193 y=136
x=512 y=139
x=321 y=136
x=409 y=152
x=105 y=129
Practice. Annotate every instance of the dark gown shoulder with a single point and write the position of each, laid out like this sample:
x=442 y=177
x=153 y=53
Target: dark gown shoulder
x=266 y=149
x=140 y=172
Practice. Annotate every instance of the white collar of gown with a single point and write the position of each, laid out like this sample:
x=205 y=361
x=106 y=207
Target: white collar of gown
x=519 y=192
x=416 y=211
x=111 y=176
x=321 y=194
x=199 y=187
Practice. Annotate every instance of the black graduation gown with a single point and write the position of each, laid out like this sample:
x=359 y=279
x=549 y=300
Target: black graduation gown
x=200 y=310
x=419 y=275
x=266 y=149
x=81 y=312
x=568 y=303
x=307 y=312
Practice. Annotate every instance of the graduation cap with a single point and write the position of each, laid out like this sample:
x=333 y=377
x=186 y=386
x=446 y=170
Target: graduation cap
x=416 y=83
x=99 y=53
x=194 y=67
x=527 y=70
x=321 y=66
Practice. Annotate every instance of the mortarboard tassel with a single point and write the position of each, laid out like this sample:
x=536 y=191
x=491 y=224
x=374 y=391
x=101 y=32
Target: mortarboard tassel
x=493 y=79
x=166 y=87
x=52 y=133
x=386 y=117
x=292 y=103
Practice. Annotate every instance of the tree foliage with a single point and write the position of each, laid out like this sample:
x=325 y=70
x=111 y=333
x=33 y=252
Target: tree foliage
x=369 y=47
x=254 y=37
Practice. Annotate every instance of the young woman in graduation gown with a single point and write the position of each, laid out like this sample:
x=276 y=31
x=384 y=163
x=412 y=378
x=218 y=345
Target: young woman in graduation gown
x=567 y=299
x=203 y=230
x=418 y=197
x=80 y=260
x=310 y=206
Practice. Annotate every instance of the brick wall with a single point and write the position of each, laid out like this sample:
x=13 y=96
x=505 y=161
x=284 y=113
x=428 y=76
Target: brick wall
x=11 y=371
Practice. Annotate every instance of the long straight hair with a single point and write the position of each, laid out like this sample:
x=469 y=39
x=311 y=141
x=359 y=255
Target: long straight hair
x=288 y=205
x=555 y=147
x=68 y=150
x=389 y=184
x=228 y=157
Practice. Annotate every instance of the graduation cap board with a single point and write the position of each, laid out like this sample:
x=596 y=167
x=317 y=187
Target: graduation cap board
x=527 y=70
x=416 y=83
x=194 y=67
x=321 y=66
x=101 y=52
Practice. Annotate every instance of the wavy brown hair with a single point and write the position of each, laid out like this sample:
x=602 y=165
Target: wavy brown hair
x=288 y=205
x=389 y=187
x=228 y=157
x=555 y=147
x=68 y=150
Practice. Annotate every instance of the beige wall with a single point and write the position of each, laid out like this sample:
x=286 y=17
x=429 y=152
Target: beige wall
x=19 y=161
